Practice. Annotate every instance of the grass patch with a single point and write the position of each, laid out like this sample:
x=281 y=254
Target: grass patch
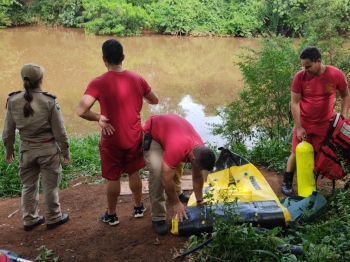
x=85 y=161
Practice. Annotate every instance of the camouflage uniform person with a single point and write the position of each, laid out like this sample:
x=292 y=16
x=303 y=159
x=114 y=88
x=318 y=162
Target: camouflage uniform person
x=37 y=116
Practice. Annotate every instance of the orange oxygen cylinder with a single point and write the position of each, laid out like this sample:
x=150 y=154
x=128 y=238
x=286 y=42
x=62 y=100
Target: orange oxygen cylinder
x=305 y=169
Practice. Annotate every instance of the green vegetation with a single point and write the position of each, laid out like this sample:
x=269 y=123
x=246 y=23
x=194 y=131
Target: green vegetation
x=202 y=17
x=113 y=17
x=180 y=17
x=46 y=254
x=9 y=179
x=12 y=13
x=85 y=162
x=325 y=239
x=262 y=111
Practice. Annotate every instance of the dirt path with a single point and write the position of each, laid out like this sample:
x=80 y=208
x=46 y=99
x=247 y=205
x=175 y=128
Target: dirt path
x=86 y=238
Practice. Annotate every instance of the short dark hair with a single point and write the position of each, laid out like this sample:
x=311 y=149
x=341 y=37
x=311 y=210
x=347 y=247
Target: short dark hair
x=112 y=51
x=312 y=53
x=205 y=157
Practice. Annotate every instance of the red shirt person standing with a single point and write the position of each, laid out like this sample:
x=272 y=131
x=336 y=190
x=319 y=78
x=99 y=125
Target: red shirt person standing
x=312 y=101
x=120 y=94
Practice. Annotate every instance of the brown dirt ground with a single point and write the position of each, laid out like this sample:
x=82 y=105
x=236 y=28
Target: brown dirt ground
x=86 y=238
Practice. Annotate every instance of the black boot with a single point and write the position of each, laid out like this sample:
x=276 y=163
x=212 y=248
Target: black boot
x=287 y=184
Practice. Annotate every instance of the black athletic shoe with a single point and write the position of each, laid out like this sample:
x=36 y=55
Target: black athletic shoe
x=110 y=219
x=160 y=227
x=184 y=198
x=138 y=211
x=38 y=223
x=64 y=219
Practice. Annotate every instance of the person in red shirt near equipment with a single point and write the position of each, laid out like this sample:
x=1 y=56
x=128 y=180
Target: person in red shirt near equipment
x=174 y=141
x=312 y=101
x=120 y=94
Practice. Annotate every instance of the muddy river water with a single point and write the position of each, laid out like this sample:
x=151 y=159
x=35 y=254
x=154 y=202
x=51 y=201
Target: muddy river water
x=192 y=76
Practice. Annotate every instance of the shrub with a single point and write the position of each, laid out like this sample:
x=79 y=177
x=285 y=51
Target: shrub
x=327 y=238
x=272 y=152
x=113 y=18
x=85 y=161
x=203 y=17
x=233 y=240
x=71 y=12
x=263 y=105
x=12 y=13
x=44 y=12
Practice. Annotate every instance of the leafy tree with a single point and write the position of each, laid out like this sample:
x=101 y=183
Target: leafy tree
x=70 y=12
x=113 y=17
x=244 y=18
x=263 y=105
x=326 y=25
x=141 y=3
x=203 y=17
x=12 y=12
x=283 y=15
x=45 y=12
x=174 y=17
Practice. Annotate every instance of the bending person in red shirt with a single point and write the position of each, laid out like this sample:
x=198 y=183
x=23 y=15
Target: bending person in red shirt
x=120 y=94
x=312 y=101
x=174 y=141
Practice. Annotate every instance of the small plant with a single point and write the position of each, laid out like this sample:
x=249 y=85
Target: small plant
x=324 y=239
x=233 y=240
x=45 y=255
x=271 y=152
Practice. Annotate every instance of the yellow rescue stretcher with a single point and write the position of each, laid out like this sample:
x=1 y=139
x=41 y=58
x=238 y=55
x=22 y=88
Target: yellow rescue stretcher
x=234 y=179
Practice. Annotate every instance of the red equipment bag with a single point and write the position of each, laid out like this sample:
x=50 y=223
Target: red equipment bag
x=333 y=159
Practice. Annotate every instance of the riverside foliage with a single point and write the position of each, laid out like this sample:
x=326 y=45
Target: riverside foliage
x=325 y=239
x=262 y=110
x=179 y=17
x=85 y=161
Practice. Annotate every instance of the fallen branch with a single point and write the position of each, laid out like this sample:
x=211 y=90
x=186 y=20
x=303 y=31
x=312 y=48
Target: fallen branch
x=10 y=215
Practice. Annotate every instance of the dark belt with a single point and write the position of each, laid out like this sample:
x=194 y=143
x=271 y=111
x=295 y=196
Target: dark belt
x=42 y=142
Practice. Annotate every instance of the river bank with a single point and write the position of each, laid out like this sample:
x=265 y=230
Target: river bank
x=86 y=238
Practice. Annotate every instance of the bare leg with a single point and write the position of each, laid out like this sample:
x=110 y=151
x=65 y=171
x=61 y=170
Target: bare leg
x=135 y=184
x=291 y=163
x=113 y=192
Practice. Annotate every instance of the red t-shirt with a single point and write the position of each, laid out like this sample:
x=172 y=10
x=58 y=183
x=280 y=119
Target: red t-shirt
x=317 y=94
x=176 y=135
x=120 y=95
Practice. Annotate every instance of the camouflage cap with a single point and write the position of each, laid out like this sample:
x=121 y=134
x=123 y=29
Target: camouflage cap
x=33 y=71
